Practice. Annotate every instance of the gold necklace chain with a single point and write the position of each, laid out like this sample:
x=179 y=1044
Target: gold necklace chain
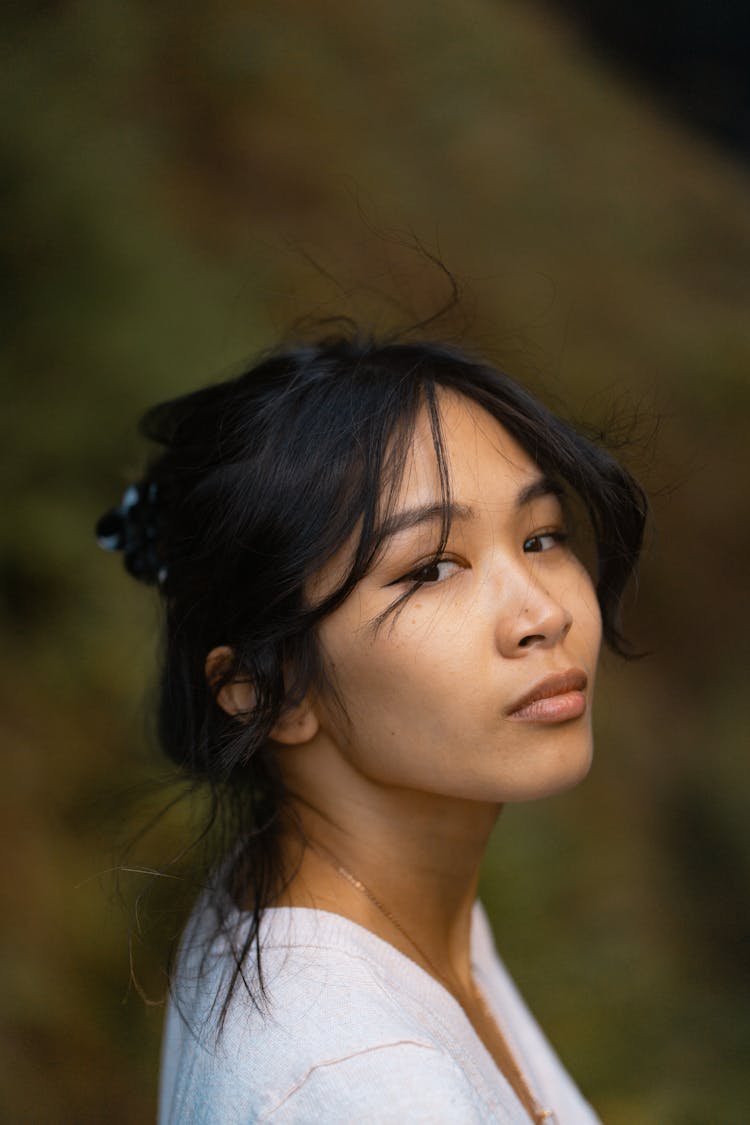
x=540 y=1115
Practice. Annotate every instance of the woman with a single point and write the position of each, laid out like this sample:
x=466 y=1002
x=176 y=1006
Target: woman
x=377 y=633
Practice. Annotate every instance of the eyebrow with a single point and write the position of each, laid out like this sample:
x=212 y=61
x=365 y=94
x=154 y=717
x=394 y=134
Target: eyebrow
x=429 y=513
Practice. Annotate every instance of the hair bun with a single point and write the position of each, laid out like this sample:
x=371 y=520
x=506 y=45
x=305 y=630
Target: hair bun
x=133 y=528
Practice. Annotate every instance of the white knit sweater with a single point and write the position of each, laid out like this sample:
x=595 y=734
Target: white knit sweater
x=356 y=1033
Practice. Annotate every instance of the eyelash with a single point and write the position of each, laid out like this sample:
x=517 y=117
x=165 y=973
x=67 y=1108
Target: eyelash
x=558 y=537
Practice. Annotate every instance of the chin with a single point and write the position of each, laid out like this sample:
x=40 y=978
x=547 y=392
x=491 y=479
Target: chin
x=557 y=774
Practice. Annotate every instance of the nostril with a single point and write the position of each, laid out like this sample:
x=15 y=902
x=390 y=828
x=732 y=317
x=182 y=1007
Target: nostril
x=526 y=641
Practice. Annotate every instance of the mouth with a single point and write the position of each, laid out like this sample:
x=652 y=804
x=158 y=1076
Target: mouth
x=555 y=699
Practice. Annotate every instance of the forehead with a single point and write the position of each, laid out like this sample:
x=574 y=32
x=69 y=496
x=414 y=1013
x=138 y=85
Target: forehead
x=485 y=464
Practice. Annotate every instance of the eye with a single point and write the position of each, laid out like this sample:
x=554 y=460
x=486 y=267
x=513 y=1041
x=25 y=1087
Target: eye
x=545 y=541
x=432 y=573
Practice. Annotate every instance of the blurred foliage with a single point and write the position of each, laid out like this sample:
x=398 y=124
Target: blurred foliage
x=172 y=174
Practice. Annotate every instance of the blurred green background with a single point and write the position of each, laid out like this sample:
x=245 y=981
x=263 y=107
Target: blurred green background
x=181 y=182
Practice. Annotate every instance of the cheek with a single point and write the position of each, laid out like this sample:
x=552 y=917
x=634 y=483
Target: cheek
x=587 y=616
x=354 y=673
x=390 y=684
x=369 y=677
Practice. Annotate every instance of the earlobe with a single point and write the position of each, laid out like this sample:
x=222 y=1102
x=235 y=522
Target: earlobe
x=237 y=697
x=296 y=726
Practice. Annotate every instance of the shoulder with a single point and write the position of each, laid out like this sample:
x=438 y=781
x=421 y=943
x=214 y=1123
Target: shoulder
x=334 y=1038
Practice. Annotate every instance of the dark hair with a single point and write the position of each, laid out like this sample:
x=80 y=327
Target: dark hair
x=261 y=480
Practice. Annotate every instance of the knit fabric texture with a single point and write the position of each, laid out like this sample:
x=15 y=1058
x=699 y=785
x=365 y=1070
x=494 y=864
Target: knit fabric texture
x=355 y=1033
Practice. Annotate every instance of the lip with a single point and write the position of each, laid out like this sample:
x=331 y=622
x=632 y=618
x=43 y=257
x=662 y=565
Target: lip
x=554 y=699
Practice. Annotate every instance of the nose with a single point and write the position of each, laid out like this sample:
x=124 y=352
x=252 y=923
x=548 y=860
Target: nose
x=534 y=618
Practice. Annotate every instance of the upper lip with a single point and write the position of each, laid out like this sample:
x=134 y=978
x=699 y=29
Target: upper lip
x=575 y=679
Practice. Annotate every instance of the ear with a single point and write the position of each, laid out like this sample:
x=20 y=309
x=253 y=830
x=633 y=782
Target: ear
x=297 y=725
x=237 y=696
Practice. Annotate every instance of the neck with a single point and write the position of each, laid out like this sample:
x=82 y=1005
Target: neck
x=417 y=854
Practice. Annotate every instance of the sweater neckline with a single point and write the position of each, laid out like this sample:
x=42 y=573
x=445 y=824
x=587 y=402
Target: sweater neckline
x=330 y=928
x=290 y=926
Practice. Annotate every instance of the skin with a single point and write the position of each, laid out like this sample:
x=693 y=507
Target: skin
x=405 y=784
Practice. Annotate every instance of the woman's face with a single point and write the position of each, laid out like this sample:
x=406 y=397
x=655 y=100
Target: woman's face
x=433 y=697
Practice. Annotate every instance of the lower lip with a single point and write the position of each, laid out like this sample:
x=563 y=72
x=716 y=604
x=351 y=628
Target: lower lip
x=554 y=709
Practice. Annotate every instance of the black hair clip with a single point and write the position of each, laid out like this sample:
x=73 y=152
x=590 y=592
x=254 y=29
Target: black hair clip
x=133 y=528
